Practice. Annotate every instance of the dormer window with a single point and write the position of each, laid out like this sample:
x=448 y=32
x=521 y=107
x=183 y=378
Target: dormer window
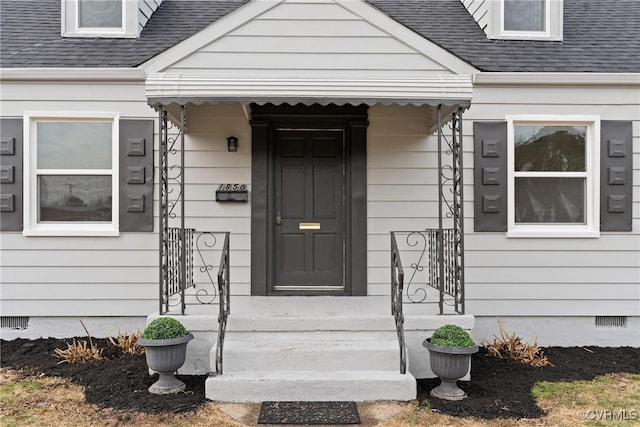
x=525 y=19
x=99 y=18
x=524 y=15
x=100 y=14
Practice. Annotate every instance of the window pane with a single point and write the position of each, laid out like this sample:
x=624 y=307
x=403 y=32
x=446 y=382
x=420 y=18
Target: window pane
x=524 y=15
x=74 y=198
x=550 y=200
x=100 y=13
x=74 y=145
x=550 y=148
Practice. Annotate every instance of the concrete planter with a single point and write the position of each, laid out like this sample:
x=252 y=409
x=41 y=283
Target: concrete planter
x=449 y=364
x=165 y=357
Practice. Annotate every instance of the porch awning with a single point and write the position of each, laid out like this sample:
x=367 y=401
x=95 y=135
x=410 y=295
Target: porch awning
x=181 y=89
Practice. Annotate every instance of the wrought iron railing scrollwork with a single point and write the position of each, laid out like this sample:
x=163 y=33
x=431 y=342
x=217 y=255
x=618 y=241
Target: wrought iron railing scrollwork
x=421 y=250
x=451 y=198
x=225 y=303
x=173 y=268
x=397 y=285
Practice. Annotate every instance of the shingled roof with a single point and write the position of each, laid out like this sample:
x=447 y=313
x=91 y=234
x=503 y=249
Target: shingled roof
x=599 y=35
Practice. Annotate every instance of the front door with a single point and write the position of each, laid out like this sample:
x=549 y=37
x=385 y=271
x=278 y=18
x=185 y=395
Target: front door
x=309 y=204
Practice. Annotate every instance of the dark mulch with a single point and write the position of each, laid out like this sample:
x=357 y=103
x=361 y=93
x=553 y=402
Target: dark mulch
x=117 y=381
x=499 y=388
x=502 y=388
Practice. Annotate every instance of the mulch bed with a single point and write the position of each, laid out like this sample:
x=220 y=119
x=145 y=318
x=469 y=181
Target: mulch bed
x=499 y=388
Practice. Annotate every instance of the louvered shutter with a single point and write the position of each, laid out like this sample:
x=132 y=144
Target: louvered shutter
x=11 y=168
x=490 y=176
x=136 y=175
x=616 y=168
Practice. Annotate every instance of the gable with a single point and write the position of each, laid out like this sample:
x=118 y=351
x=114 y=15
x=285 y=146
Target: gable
x=308 y=37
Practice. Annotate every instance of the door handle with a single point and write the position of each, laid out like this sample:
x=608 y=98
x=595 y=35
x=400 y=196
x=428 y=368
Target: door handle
x=278 y=219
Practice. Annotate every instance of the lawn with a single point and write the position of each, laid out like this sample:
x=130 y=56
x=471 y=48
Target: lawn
x=586 y=386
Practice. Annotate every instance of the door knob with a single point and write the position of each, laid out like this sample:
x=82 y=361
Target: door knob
x=278 y=219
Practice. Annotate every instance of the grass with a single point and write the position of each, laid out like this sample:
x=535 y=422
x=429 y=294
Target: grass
x=610 y=400
x=45 y=401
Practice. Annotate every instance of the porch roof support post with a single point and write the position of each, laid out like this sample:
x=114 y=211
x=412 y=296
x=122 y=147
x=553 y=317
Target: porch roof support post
x=183 y=237
x=440 y=238
x=458 y=213
x=163 y=211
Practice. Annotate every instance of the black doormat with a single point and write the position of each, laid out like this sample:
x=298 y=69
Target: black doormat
x=309 y=413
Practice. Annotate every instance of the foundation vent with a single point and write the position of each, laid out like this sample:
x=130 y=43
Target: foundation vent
x=14 y=322
x=611 y=321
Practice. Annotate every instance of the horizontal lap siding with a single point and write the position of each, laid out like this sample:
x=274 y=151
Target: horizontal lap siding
x=530 y=277
x=209 y=164
x=113 y=276
x=300 y=39
x=78 y=276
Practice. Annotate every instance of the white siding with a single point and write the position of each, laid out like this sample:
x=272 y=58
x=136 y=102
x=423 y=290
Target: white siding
x=517 y=277
x=308 y=38
x=209 y=164
x=479 y=9
x=145 y=10
x=78 y=276
x=118 y=276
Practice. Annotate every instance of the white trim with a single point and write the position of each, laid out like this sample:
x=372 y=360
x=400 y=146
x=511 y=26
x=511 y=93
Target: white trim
x=255 y=8
x=557 y=79
x=554 y=17
x=524 y=33
x=69 y=22
x=322 y=88
x=591 y=229
x=71 y=74
x=31 y=227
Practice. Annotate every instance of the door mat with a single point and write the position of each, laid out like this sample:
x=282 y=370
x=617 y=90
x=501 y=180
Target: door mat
x=312 y=413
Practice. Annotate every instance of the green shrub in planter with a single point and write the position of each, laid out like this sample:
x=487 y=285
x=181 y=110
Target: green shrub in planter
x=451 y=336
x=450 y=349
x=165 y=346
x=164 y=328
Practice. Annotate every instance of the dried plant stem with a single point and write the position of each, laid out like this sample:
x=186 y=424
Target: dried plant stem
x=510 y=346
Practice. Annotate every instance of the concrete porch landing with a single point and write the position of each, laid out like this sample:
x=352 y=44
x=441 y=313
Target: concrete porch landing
x=311 y=348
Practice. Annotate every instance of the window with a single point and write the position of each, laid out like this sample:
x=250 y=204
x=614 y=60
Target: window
x=99 y=18
x=525 y=19
x=100 y=14
x=553 y=176
x=71 y=167
x=524 y=15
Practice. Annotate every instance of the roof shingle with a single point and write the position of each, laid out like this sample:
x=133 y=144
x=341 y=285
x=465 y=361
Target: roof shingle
x=599 y=35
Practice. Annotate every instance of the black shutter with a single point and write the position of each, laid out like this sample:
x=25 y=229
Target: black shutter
x=136 y=175
x=490 y=176
x=616 y=168
x=11 y=174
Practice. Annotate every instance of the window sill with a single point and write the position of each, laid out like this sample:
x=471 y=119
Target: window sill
x=71 y=231
x=525 y=35
x=550 y=233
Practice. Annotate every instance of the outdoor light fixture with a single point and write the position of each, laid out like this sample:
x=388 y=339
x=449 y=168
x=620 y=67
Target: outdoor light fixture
x=232 y=144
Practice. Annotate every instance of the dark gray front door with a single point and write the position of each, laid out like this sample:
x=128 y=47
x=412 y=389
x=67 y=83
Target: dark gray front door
x=309 y=210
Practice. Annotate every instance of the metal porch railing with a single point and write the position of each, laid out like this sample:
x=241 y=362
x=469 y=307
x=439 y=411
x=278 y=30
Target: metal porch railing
x=225 y=302
x=434 y=272
x=188 y=260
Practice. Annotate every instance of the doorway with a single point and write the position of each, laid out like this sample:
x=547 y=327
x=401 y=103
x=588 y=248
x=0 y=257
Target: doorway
x=308 y=200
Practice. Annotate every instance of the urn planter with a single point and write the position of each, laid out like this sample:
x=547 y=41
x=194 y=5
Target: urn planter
x=166 y=356
x=449 y=364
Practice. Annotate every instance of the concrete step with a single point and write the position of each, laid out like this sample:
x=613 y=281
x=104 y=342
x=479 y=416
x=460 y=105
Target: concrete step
x=310 y=322
x=301 y=351
x=276 y=385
